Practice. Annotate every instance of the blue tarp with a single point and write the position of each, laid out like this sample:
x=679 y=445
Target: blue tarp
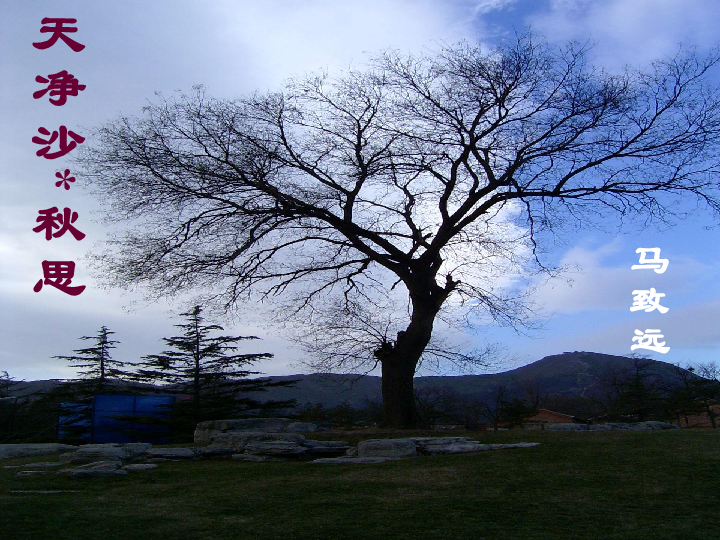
x=111 y=419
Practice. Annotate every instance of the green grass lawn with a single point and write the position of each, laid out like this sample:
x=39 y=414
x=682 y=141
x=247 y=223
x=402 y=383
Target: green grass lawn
x=611 y=485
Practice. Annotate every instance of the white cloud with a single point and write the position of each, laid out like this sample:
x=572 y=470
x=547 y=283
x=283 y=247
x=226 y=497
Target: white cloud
x=280 y=39
x=631 y=32
x=591 y=285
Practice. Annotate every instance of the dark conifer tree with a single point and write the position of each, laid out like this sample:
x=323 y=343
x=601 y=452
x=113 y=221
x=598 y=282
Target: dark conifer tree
x=96 y=367
x=209 y=372
x=98 y=373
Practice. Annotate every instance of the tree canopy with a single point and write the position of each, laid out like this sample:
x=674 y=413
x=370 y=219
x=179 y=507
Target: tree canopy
x=422 y=177
x=210 y=371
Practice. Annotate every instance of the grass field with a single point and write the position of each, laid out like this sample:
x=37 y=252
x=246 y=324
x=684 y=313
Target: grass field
x=607 y=485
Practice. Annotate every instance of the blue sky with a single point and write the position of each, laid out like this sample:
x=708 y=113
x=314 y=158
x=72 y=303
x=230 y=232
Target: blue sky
x=134 y=49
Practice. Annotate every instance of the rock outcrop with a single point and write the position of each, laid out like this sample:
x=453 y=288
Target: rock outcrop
x=387 y=448
x=649 y=425
x=208 y=432
x=8 y=451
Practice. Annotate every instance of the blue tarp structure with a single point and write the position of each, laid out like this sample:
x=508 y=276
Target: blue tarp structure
x=74 y=422
x=110 y=419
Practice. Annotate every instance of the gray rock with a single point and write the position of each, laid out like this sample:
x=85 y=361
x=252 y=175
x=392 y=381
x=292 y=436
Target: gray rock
x=238 y=439
x=302 y=427
x=171 y=453
x=91 y=453
x=600 y=427
x=616 y=426
x=438 y=445
x=387 y=448
x=99 y=445
x=215 y=450
x=85 y=473
x=30 y=473
x=514 y=445
x=351 y=452
x=36 y=449
x=38 y=465
x=566 y=427
x=137 y=448
x=110 y=465
x=653 y=425
x=257 y=458
x=159 y=460
x=457 y=448
x=139 y=467
x=354 y=460
x=425 y=441
x=205 y=432
x=275 y=448
x=327 y=448
x=98 y=468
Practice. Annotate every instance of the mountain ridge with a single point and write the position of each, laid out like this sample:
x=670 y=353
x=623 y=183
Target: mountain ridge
x=568 y=374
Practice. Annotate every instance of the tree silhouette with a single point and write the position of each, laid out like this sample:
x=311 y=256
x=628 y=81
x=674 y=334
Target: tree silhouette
x=98 y=373
x=419 y=182
x=208 y=370
x=96 y=366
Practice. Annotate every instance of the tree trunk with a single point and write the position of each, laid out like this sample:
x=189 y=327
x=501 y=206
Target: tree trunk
x=398 y=394
x=400 y=359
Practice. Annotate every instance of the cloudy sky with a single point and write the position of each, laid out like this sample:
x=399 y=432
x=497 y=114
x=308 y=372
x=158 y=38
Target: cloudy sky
x=134 y=49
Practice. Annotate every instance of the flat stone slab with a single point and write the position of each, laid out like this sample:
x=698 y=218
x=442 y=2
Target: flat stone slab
x=238 y=439
x=88 y=473
x=214 y=450
x=327 y=444
x=139 y=467
x=113 y=465
x=138 y=448
x=425 y=441
x=456 y=448
x=302 y=427
x=95 y=470
x=205 y=432
x=171 y=453
x=92 y=453
x=30 y=473
x=260 y=458
x=8 y=451
x=38 y=465
x=275 y=448
x=328 y=448
x=353 y=460
x=649 y=425
x=387 y=448
x=514 y=445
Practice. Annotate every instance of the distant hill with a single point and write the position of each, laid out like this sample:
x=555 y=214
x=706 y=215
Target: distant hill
x=570 y=374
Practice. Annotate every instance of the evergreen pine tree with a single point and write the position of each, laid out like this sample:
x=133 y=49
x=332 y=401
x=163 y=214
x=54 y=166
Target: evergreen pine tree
x=209 y=371
x=96 y=366
x=98 y=372
x=9 y=397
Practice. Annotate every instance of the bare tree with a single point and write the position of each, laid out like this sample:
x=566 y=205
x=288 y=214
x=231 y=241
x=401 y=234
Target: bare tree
x=635 y=391
x=502 y=406
x=701 y=390
x=420 y=180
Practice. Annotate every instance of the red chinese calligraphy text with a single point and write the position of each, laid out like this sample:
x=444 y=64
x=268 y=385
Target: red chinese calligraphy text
x=62 y=84
x=58 y=32
x=49 y=220
x=65 y=147
x=59 y=274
